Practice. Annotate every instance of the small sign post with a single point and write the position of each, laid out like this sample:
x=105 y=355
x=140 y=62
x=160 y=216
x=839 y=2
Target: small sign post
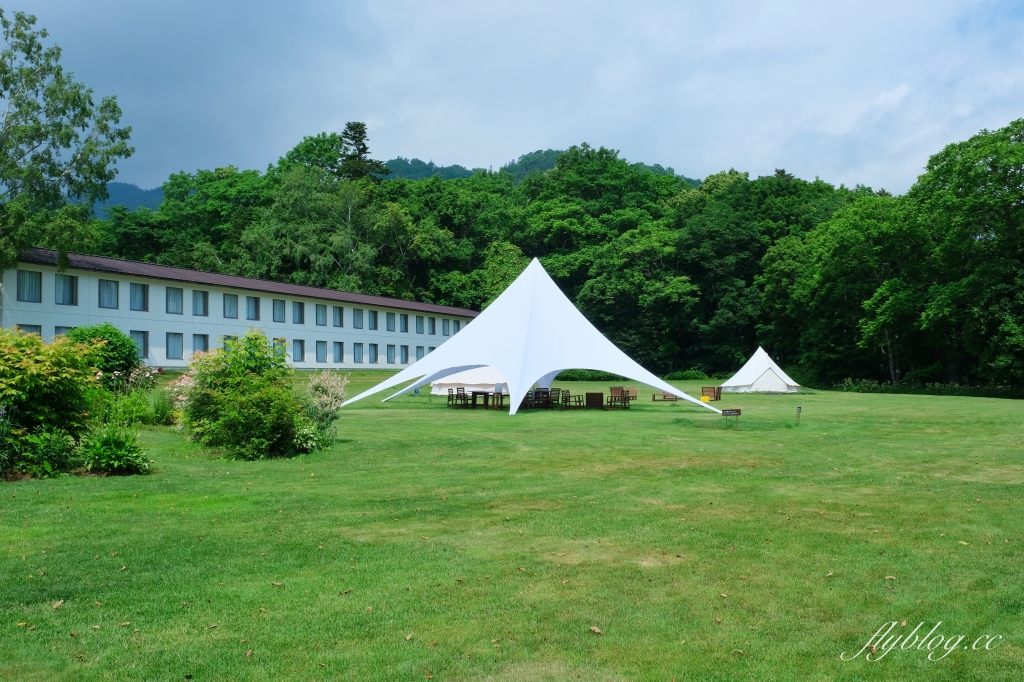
x=798 y=411
x=730 y=413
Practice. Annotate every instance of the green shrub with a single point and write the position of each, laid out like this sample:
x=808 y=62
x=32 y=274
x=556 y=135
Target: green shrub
x=114 y=449
x=7 y=443
x=163 y=409
x=114 y=353
x=588 y=375
x=44 y=454
x=44 y=386
x=688 y=375
x=240 y=398
x=128 y=409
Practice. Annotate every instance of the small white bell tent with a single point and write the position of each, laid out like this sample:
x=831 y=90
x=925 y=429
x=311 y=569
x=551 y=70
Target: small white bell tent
x=528 y=334
x=479 y=379
x=760 y=375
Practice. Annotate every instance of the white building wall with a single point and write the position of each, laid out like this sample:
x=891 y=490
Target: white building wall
x=158 y=323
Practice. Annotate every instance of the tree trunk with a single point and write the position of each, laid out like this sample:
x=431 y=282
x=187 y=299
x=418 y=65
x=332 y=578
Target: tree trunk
x=894 y=363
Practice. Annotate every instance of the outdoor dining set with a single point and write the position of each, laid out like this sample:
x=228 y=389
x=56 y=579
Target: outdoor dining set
x=545 y=399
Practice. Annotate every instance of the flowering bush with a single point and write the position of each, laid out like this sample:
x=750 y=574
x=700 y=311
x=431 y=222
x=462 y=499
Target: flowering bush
x=113 y=354
x=323 y=401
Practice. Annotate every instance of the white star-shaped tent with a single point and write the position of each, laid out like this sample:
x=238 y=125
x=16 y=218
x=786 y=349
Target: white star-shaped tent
x=530 y=333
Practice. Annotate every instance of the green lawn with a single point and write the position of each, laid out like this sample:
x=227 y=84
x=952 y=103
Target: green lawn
x=471 y=545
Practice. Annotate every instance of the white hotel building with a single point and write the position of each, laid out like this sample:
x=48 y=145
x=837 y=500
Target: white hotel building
x=172 y=312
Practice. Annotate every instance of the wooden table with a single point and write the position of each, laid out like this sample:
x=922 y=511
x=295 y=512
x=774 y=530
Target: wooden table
x=595 y=400
x=474 y=394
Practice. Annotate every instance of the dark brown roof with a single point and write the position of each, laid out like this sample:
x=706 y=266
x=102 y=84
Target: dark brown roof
x=135 y=268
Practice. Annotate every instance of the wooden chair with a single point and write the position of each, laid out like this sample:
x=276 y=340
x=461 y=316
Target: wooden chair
x=618 y=398
x=571 y=402
x=542 y=398
x=451 y=397
x=631 y=392
x=461 y=399
x=527 y=402
x=711 y=392
x=555 y=397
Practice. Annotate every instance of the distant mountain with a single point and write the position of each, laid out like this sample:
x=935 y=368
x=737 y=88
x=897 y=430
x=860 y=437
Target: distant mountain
x=414 y=169
x=534 y=162
x=539 y=161
x=131 y=196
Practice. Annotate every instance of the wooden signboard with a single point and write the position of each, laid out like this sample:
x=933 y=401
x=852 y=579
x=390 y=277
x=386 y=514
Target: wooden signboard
x=731 y=413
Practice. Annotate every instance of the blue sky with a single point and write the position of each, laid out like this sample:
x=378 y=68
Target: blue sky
x=852 y=92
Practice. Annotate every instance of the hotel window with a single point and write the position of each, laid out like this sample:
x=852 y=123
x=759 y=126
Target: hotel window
x=431 y=325
x=357 y=352
x=175 y=346
x=30 y=286
x=200 y=343
x=371 y=319
x=357 y=318
x=278 y=310
x=226 y=341
x=431 y=349
x=252 y=307
x=373 y=354
x=389 y=320
x=403 y=355
x=138 y=296
x=200 y=303
x=403 y=323
x=298 y=350
x=321 y=315
x=321 y=351
x=391 y=354
x=444 y=327
x=141 y=340
x=231 y=306
x=31 y=328
x=61 y=331
x=298 y=312
x=175 y=301
x=108 y=293
x=419 y=352
x=339 y=351
x=419 y=324
x=280 y=346
x=455 y=326
x=66 y=290
x=339 y=319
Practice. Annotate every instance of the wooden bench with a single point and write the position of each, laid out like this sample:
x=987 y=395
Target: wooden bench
x=664 y=397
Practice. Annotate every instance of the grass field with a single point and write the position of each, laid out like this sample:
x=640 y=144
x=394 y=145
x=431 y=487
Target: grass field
x=469 y=545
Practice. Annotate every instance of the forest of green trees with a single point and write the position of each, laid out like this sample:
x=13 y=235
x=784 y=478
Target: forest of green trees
x=834 y=282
